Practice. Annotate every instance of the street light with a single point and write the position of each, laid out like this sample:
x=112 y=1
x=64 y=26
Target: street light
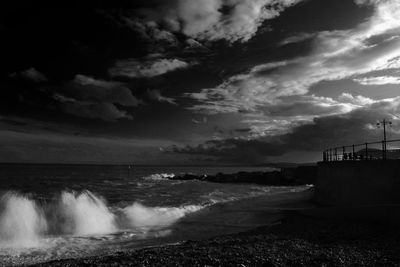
x=384 y=123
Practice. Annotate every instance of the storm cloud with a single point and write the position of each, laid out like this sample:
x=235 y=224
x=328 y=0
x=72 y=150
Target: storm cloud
x=234 y=81
x=355 y=127
x=209 y=20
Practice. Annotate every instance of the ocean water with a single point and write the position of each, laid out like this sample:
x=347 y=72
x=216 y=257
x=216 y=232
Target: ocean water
x=49 y=212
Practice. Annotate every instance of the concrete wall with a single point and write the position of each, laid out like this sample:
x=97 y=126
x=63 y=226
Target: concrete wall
x=358 y=183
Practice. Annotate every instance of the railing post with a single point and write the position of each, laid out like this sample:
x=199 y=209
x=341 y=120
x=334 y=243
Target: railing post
x=344 y=149
x=339 y=153
x=383 y=151
x=336 y=155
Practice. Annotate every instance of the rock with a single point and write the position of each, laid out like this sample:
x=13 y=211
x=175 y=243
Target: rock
x=287 y=176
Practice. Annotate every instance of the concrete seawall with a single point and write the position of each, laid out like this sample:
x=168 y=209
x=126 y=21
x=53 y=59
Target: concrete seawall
x=359 y=190
x=355 y=183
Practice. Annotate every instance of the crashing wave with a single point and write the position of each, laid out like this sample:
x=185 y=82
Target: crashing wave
x=24 y=221
x=85 y=214
x=141 y=216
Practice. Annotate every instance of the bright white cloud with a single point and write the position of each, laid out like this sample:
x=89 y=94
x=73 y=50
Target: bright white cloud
x=133 y=68
x=373 y=45
x=244 y=20
x=211 y=20
x=297 y=38
x=291 y=112
x=263 y=126
x=359 y=100
x=382 y=80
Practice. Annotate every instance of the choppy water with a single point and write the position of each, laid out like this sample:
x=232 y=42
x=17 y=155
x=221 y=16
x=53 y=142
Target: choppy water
x=57 y=211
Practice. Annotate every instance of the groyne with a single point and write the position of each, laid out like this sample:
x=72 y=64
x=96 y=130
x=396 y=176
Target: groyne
x=299 y=175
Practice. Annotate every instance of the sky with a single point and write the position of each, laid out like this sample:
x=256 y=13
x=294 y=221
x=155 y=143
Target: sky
x=197 y=81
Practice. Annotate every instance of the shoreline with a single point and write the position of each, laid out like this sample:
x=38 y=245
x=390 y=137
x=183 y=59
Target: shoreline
x=304 y=237
x=299 y=240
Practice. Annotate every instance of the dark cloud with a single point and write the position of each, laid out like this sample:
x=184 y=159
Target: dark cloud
x=101 y=110
x=83 y=96
x=355 y=127
x=151 y=33
x=199 y=121
x=61 y=148
x=86 y=88
x=247 y=74
x=30 y=74
x=87 y=97
x=207 y=20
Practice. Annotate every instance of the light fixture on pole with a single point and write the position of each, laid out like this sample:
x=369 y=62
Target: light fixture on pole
x=383 y=124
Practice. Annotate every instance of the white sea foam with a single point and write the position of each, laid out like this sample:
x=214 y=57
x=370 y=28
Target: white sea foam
x=159 y=176
x=85 y=214
x=21 y=221
x=24 y=223
x=146 y=217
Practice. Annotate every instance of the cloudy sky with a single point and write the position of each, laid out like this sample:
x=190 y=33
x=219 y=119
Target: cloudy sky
x=197 y=81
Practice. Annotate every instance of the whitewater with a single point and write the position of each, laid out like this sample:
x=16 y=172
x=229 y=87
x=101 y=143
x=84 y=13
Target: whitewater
x=50 y=212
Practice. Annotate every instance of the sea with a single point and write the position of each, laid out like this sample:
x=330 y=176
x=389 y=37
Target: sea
x=51 y=212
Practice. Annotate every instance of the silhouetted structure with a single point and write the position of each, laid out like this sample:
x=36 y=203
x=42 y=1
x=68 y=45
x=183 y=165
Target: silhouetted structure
x=365 y=151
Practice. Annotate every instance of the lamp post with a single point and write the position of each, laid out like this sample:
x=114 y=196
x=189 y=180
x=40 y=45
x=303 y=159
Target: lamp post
x=384 y=123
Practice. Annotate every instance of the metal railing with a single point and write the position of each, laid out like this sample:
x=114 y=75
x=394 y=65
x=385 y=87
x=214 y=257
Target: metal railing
x=366 y=151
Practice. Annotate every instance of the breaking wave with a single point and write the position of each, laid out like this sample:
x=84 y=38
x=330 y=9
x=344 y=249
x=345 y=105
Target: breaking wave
x=143 y=217
x=85 y=214
x=159 y=176
x=24 y=221
x=21 y=221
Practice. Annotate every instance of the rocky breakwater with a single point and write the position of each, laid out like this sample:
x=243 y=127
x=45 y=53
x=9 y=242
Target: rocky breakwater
x=285 y=177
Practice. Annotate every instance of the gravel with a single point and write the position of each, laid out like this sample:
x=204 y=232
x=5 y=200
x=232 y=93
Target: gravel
x=299 y=240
